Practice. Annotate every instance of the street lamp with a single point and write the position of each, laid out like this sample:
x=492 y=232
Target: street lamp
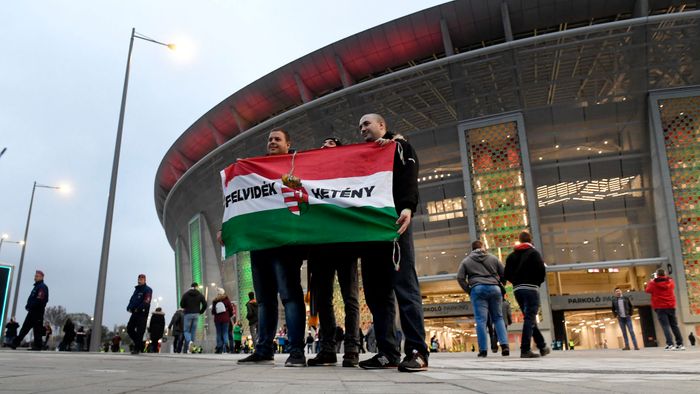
x=96 y=338
x=4 y=238
x=24 y=242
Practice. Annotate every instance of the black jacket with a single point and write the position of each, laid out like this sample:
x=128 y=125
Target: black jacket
x=11 y=329
x=251 y=311
x=38 y=298
x=177 y=323
x=157 y=325
x=525 y=268
x=405 y=181
x=193 y=302
x=628 y=306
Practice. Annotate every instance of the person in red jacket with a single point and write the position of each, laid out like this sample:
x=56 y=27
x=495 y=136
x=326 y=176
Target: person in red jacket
x=222 y=309
x=663 y=300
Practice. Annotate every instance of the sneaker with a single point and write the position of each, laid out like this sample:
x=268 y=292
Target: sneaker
x=257 y=359
x=295 y=359
x=505 y=351
x=545 y=351
x=350 y=360
x=415 y=362
x=626 y=348
x=680 y=347
x=482 y=354
x=529 y=354
x=636 y=348
x=323 y=359
x=379 y=361
x=670 y=347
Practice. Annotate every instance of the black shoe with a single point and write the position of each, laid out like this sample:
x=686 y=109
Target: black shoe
x=626 y=348
x=482 y=354
x=415 y=362
x=379 y=361
x=257 y=359
x=13 y=346
x=505 y=351
x=529 y=354
x=323 y=359
x=350 y=360
x=494 y=349
x=545 y=351
x=295 y=359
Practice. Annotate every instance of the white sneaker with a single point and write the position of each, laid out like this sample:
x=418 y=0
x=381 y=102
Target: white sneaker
x=680 y=347
x=670 y=347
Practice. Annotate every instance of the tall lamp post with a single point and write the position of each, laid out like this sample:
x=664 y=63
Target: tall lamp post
x=24 y=242
x=4 y=238
x=96 y=337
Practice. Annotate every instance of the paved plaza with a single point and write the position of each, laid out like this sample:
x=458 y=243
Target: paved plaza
x=648 y=370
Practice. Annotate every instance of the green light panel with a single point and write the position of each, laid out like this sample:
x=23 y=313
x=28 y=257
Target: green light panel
x=196 y=260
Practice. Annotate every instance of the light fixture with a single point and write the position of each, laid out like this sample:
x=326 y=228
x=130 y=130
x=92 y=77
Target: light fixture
x=585 y=242
x=556 y=146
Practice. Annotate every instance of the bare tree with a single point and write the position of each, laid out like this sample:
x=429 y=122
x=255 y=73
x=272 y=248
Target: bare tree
x=56 y=316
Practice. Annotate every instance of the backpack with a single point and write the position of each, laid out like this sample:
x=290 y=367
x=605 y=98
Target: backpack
x=220 y=307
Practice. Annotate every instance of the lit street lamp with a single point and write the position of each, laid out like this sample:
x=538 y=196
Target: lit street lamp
x=96 y=338
x=4 y=238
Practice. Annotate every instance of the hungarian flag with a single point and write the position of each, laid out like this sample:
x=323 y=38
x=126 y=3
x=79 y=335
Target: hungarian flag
x=330 y=195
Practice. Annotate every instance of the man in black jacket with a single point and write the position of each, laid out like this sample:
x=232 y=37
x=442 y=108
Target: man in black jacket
x=377 y=265
x=36 y=305
x=194 y=304
x=139 y=305
x=525 y=269
x=252 y=316
x=622 y=309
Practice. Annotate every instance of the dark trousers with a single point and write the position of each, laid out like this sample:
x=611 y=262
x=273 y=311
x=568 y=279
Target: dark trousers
x=529 y=302
x=178 y=341
x=667 y=319
x=66 y=342
x=278 y=271
x=136 y=328
x=377 y=267
x=34 y=322
x=154 y=343
x=324 y=262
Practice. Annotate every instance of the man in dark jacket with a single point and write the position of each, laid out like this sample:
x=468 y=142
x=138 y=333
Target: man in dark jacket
x=156 y=328
x=68 y=336
x=139 y=306
x=36 y=305
x=193 y=304
x=663 y=301
x=10 y=331
x=622 y=309
x=380 y=268
x=177 y=328
x=480 y=275
x=525 y=269
x=252 y=316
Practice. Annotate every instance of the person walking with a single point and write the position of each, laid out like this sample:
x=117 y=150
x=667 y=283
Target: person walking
x=68 y=336
x=389 y=278
x=80 y=339
x=193 y=305
x=309 y=343
x=237 y=336
x=222 y=310
x=663 y=301
x=139 y=306
x=36 y=305
x=176 y=328
x=622 y=309
x=156 y=329
x=691 y=339
x=10 y=331
x=252 y=316
x=525 y=269
x=480 y=276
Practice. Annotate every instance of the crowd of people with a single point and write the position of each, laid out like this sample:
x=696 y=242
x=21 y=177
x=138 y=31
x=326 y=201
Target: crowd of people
x=390 y=286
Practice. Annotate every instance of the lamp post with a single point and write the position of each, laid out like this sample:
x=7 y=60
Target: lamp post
x=24 y=243
x=96 y=337
x=4 y=238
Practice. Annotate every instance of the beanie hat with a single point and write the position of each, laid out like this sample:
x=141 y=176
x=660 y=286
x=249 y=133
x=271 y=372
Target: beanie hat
x=220 y=291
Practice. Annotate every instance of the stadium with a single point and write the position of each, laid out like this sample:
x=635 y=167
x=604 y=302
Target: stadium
x=578 y=120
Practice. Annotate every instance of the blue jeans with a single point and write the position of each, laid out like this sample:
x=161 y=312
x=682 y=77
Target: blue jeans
x=278 y=271
x=486 y=300
x=190 y=323
x=667 y=319
x=221 y=336
x=626 y=325
x=529 y=302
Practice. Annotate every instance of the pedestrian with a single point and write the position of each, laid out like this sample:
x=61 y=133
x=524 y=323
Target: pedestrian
x=222 y=310
x=434 y=344
x=394 y=263
x=663 y=301
x=507 y=321
x=47 y=331
x=480 y=276
x=525 y=269
x=139 y=306
x=193 y=305
x=80 y=339
x=156 y=329
x=252 y=316
x=116 y=343
x=10 y=331
x=68 y=336
x=277 y=271
x=622 y=309
x=309 y=343
x=237 y=336
x=36 y=305
x=176 y=328
x=691 y=339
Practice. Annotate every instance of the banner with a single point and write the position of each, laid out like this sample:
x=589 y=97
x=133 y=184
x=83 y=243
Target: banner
x=330 y=195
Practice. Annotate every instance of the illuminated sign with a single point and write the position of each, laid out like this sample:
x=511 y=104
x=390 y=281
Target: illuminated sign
x=5 y=279
x=593 y=190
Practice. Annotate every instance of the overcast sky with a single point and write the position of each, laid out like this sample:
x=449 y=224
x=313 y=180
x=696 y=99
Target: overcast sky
x=61 y=74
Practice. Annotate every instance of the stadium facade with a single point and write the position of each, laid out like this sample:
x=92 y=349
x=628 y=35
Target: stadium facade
x=578 y=120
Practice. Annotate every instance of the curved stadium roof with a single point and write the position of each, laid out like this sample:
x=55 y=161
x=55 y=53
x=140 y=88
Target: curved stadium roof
x=453 y=27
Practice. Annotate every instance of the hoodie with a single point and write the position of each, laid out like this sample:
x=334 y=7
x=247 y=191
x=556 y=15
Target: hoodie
x=525 y=268
x=157 y=324
x=193 y=302
x=477 y=268
x=661 y=290
x=405 y=178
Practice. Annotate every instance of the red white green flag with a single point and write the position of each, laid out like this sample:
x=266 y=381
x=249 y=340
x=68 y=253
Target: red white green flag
x=341 y=194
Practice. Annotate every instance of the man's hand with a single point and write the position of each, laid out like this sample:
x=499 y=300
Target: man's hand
x=218 y=238
x=382 y=141
x=404 y=220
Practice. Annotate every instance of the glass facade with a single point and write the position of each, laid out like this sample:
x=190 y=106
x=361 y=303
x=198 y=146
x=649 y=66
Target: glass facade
x=196 y=261
x=244 y=274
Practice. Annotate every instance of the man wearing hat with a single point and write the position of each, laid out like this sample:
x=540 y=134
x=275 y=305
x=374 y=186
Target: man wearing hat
x=36 y=304
x=139 y=306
